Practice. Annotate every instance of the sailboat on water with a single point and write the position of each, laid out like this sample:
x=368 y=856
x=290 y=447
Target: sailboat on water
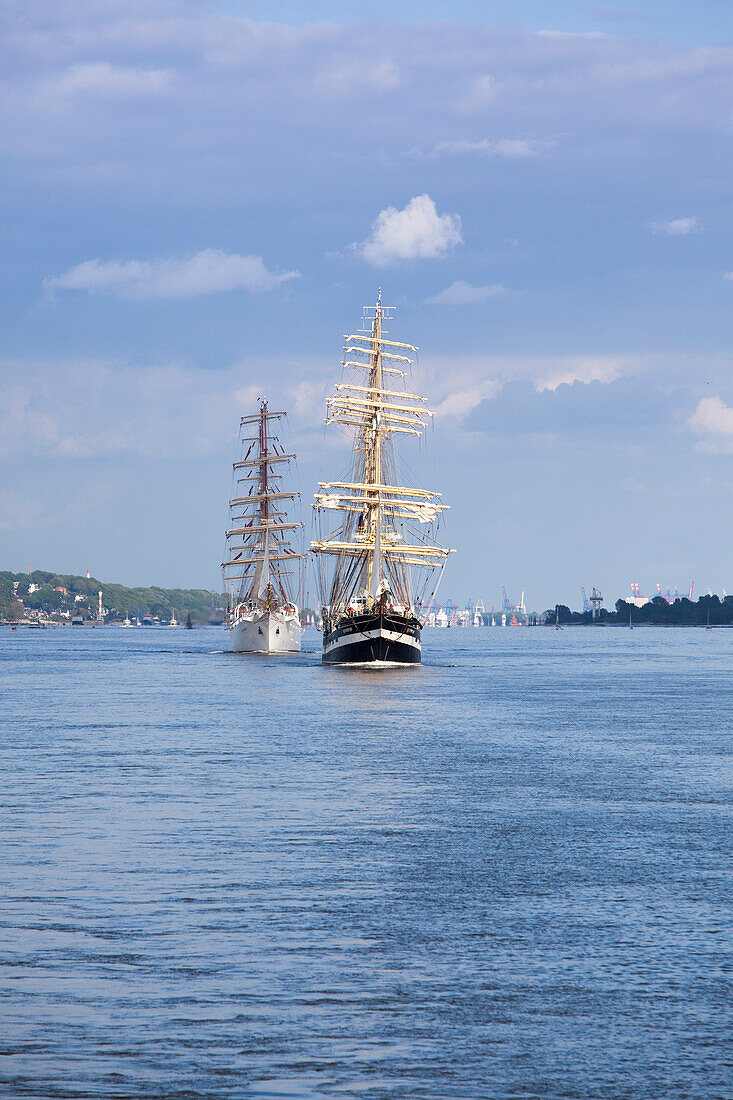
x=376 y=564
x=262 y=616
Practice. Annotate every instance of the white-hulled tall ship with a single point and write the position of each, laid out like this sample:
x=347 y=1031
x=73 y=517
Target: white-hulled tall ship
x=376 y=565
x=262 y=570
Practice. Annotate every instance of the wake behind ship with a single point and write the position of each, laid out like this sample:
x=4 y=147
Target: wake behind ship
x=262 y=616
x=376 y=565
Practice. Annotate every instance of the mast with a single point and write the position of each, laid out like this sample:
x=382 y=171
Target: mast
x=374 y=467
x=386 y=527
x=258 y=539
x=264 y=503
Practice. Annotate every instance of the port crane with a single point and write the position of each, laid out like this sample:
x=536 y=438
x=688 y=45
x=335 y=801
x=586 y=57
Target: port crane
x=506 y=604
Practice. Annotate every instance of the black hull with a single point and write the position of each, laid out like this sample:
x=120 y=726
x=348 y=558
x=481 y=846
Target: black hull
x=367 y=639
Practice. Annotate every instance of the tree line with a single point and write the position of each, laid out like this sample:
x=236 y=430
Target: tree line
x=54 y=593
x=681 y=612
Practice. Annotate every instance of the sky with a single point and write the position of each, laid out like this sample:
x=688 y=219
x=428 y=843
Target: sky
x=198 y=198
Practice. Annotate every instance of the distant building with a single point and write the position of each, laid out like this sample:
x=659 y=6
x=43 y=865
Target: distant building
x=637 y=601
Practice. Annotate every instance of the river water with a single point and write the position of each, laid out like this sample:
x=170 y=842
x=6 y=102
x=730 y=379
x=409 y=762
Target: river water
x=503 y=874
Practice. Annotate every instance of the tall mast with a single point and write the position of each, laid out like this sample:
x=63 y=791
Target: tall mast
x=387 y=527
x=260 y=554
x=264 y=503
x=374 y=467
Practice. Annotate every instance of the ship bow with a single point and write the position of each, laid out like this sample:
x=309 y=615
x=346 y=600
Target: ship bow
x=373 y=639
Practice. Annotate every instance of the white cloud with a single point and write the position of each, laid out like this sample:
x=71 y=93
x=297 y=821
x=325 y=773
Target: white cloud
x=481 y=92
x=464 y=399
x=309 y=398
x=113 y=81
x=581 y=369
x=458 y=385
x=713 y=420
x=462 y=294
x=79 y=409
x=680 y=227
x=416 y=232
x=207 y=272
x=90 y=408
x=509 y=148
x=728 y=275
x=349 y=76
x=246 y=398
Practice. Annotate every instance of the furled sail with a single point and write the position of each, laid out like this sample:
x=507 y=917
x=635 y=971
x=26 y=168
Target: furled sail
x=384 y=536
x=262 y=564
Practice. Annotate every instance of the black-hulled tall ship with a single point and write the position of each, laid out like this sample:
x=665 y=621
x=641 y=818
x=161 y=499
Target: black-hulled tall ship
x=377 y=564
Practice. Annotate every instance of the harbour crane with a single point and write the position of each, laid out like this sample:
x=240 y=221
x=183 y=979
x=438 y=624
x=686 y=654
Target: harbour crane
x=506 y=603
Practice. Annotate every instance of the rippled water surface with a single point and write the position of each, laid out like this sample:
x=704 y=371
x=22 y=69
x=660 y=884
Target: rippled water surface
x=506 y=873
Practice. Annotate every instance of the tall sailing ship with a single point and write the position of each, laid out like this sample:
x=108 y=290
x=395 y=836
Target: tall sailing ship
x=262 y=570
x=377 y=564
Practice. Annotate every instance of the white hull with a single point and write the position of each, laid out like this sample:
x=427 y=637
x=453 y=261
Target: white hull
x=265 y=632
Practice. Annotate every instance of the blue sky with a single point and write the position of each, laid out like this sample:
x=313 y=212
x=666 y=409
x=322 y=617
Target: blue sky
x=197 y=203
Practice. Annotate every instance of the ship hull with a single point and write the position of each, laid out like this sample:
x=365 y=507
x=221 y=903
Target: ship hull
x=265 y=632
x=373 y=639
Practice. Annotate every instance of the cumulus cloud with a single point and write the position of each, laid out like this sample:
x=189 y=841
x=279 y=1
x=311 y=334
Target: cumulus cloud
x=679 y=227
x=509 y=148
x=455 y=386
x=465 y=398
x=417 y=231
x=581 y=368
x=713 y=420
x=207 y=272
x=463 y=294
